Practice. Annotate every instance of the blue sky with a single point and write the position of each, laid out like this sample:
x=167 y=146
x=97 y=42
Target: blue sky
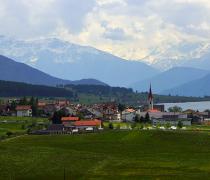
x=132 y=29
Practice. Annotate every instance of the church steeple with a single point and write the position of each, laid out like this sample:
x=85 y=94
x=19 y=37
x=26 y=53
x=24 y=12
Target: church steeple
x=150 y=98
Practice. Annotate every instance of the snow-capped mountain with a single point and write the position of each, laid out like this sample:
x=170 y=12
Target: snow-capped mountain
x=70 y=61
x=185 y=54
x=30 y=51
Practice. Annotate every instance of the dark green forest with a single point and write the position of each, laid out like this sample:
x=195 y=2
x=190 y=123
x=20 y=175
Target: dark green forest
x=16 y=89
x=88 y=93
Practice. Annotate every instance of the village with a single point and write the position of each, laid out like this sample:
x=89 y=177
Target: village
x=68 y=118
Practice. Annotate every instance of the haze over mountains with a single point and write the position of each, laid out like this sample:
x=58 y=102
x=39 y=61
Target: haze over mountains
x=170 y=79
x=70 y=61
x=19 y=72
x=199 y=87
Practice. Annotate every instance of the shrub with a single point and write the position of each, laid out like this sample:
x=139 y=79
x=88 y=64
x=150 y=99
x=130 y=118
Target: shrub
x=111 y=126
x=9 y=133
x=142 y=126
x=180 y=124
x=23 y=126
x=133 y=125
x=168 y=125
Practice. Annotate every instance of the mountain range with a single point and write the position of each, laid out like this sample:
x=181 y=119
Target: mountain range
x=199 y=87
x=170 y=79
x=195 y=55
x=70 y=61
x=36 y=59
x=19 y=72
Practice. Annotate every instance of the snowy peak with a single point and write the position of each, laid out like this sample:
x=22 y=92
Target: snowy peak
x=178 y=55
x=70 y=61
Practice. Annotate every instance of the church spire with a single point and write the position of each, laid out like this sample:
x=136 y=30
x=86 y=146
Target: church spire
x=150 y=98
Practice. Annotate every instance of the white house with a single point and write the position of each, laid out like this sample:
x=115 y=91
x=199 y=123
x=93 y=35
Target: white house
x=157 y=115
x=128 y=115
x=172 y=122
x=24 y=111
x=97 y=113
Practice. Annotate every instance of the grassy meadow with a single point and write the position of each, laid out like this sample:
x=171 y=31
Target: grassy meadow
x=19 y=125
x=108 y=155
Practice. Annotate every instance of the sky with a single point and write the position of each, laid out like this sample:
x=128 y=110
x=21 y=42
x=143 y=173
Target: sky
x=132 y=29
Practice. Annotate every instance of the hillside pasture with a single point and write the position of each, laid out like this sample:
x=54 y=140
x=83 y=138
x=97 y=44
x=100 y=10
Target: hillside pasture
x=108 y=155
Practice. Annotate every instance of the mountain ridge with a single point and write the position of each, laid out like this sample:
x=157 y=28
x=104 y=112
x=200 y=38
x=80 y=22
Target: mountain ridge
x=170 y=79
x=11 y=70
x=197 y=88
x=71 y=61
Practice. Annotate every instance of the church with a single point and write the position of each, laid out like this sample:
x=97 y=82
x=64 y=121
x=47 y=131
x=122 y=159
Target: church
x=150 y=106
x=158 y=115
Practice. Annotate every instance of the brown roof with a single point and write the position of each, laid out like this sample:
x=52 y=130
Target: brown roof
x=21 y=108
x=41 y=104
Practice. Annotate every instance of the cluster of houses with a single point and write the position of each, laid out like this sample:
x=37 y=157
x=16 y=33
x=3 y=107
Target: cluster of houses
x=90 y=117
x=71 y=125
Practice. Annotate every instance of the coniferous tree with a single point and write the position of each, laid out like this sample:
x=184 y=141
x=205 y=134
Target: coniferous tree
x=137 y=118
x=147 y=118
x=13 y=105
x=142 y=120
x=56 y=119
x=180 y=124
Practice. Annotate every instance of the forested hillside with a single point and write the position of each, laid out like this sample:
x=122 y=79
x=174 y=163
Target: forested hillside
x=16 y=89
x=87 y=93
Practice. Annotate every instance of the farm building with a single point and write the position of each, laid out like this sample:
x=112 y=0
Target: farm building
x=95 y=124
x=24 y=111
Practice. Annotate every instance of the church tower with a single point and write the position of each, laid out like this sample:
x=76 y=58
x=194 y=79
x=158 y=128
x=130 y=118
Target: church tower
x=150 y=98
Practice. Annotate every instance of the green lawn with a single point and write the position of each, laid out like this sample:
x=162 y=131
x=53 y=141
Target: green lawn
x=108 y=155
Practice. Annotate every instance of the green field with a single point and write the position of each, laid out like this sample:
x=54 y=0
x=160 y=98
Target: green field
x=19 y=125
x=108 y=155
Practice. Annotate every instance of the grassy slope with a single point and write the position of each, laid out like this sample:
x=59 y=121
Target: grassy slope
x=109 y=155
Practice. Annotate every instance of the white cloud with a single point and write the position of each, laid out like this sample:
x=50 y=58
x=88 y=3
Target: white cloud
x=132 y=29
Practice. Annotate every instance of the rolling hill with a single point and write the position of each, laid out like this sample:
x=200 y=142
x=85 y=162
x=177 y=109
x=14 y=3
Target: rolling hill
x=170 y=79
x=19 y=72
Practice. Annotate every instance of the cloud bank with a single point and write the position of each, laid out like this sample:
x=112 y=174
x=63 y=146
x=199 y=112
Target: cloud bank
x=132 y=29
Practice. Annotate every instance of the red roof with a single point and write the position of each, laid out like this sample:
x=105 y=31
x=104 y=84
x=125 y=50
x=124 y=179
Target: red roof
x=88 y=123
x=130 y=110
x=22 y=108
x=153 y=110
x=70 y=119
